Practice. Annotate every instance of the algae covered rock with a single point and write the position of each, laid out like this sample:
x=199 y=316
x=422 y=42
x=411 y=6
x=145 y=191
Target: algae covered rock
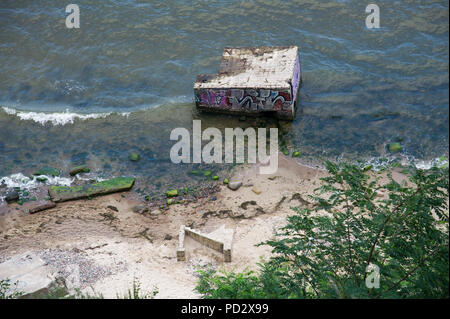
x=296 y=154
x=395 y=147
x=207 y=173
x=134 y=157
x=215 y=177
x=65 y=193
x=49 y=171
x=172 y=193
x=79 y=169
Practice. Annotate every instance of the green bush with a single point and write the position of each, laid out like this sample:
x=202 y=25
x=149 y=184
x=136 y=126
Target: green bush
x=325 y=251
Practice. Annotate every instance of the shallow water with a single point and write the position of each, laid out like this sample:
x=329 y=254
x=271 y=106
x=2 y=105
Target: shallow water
x=361 y=88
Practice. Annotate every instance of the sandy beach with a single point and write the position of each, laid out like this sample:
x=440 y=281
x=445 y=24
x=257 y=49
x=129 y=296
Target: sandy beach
x=109 y=245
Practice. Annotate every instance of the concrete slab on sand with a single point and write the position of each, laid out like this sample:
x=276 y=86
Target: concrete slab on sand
x=30 y=272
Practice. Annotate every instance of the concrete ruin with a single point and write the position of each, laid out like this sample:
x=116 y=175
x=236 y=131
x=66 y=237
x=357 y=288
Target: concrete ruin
x=222 y=245
x=253 y=80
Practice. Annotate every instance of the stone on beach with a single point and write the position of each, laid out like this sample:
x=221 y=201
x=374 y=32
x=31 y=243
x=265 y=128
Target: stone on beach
x=65 y=193
x=234 y=185
x=12 y=196
x=140 y=209
x=172 y=193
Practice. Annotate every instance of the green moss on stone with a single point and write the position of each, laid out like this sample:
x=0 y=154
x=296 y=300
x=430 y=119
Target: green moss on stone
x=49 y=171
x=172 y=193
x=207 y=173
x=79 y=169
x=395 y=147
x=64 y=193
x=134 y=157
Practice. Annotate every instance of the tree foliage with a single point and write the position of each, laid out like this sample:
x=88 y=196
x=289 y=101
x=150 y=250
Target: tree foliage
x=358 y=220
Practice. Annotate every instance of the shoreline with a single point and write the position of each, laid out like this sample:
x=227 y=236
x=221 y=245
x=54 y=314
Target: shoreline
x=128 y=245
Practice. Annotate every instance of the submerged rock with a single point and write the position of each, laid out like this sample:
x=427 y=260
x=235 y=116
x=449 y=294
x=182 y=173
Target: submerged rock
x=134 y=157
x=79 y=169
x=41 y=179
x=395 y=147
x=49 y=171
x=234 y=185
x=65 y=193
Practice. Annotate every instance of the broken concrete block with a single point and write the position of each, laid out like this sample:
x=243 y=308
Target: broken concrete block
x=252 y=80
x=65 y=193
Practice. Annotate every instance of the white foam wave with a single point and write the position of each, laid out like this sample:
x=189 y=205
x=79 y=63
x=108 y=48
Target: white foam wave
x=25 y=182
x=59 y=118
x=380 y=163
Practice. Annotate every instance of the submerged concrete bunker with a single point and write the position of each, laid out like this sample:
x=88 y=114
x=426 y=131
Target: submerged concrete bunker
x=252 y=80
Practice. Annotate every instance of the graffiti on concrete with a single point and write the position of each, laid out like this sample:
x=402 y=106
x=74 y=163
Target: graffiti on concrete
x=247 y=99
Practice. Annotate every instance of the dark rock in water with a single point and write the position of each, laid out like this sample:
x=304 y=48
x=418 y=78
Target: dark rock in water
x=65 y=193
x=41 y=179
x=12 y=196
x=49 y=171
x=168 y=237
x=79 y=169
x=213 y=198
x=140 y=209
x=114 y=208
x=134 y=157
x=40 y=206
x=2 y=184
